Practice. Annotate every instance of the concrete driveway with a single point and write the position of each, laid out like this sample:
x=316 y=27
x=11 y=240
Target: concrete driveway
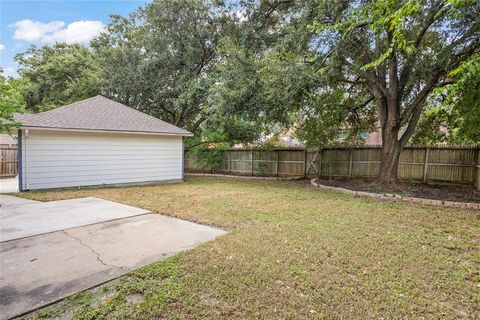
x=34 y=218
x=50 y=250
x=8 y=185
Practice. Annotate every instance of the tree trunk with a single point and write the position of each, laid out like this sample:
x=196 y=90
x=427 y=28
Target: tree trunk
x=391 y=149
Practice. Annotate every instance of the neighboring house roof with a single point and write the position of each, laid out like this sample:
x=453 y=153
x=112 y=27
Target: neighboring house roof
x=6 y=139
x=374 y=138
x=99 y=114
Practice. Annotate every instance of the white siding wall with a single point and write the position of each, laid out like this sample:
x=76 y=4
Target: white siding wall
x=54 y=159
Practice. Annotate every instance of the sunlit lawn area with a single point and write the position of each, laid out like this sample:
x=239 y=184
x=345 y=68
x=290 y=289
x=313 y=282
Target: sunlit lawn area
x=292 y=252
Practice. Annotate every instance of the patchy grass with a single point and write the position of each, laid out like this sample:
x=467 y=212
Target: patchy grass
x=292 y=252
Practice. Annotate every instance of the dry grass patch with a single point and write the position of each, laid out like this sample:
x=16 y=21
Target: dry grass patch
x=292 y=252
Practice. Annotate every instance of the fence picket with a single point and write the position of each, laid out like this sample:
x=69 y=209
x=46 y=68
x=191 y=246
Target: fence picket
x=8 y=160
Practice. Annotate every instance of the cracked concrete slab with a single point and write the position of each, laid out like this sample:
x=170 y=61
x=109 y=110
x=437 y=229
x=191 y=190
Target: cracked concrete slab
x=42 y=269
x=25 y=220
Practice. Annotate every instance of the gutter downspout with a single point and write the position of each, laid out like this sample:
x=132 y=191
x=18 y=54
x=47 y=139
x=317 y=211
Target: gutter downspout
x=183 y=158
x=20 y=160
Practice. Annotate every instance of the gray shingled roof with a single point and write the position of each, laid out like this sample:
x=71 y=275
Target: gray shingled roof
x=99 y=113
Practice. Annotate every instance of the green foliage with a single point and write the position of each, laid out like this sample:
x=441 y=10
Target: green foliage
x=393 y=55
x=207 y=151
x=463 y=99
x=159 y=60
x=11 y=101
x=208 y=159
x=261 y=169
x=239 y=71
x=235 y=95
x=453 y=114
x=432 y=128
x=197 y=65
x=58 y=75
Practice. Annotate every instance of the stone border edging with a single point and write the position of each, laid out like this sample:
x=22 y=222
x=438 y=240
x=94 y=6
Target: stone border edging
x=396 y=197
x=239 y=177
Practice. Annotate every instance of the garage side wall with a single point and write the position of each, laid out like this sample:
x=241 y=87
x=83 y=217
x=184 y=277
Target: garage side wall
x=54 y=159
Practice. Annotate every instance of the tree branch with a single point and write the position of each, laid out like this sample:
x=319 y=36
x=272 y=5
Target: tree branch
x=413 y=112
x=368 y=76
x=392 y=68
x=408 y=67
x=412 y=124
x=197 y=123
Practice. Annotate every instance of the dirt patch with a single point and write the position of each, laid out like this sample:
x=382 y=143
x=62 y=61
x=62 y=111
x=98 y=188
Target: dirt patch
x=135 y=298
x=460 y=193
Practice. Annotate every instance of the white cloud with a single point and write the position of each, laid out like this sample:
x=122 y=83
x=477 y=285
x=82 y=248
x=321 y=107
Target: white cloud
x=10 y=72
x=78 y=31
x=29 y=30
x=2 y=46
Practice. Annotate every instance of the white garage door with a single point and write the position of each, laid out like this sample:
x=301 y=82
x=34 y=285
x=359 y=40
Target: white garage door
x=55 y=159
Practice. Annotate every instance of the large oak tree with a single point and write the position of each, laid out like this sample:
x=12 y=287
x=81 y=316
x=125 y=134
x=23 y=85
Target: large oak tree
x=396 y=53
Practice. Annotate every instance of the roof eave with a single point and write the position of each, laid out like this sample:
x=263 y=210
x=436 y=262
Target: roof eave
x=186 y=134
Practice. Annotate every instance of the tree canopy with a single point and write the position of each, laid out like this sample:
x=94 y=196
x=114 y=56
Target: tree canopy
x=11 y=101
x=58 y=75
x=376 y=61
x=395 y=54
x=455 y=109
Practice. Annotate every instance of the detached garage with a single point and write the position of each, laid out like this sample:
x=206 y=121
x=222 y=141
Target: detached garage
x=97 y=141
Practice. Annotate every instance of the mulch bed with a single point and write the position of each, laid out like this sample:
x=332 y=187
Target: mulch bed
x=460 y=193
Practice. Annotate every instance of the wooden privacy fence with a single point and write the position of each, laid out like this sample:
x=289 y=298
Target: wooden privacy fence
x=8 y=160
x=427 y=164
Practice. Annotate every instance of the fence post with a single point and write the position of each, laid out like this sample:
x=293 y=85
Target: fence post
x=223 y=164
x=251 y=160
x=276 y=163
x=305 y=155
x=350 y=164
x=320 y=158
x=477 y=171
x=330 y=164
x=425 y=166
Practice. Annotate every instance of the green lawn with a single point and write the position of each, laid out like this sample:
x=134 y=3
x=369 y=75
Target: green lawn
x=292 y=252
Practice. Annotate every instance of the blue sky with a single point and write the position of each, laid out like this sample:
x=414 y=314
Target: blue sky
x=24 y=23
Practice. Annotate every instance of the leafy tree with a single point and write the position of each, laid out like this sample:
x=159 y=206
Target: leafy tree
x=273 y=74
x=257 y=88
x=191 y=63
x=207 y=150
x=433 y=127
x=159 y=59
x=455 y=108
x=58 y=75
x=463 y=102
x=395 y=54
x=11 y=101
